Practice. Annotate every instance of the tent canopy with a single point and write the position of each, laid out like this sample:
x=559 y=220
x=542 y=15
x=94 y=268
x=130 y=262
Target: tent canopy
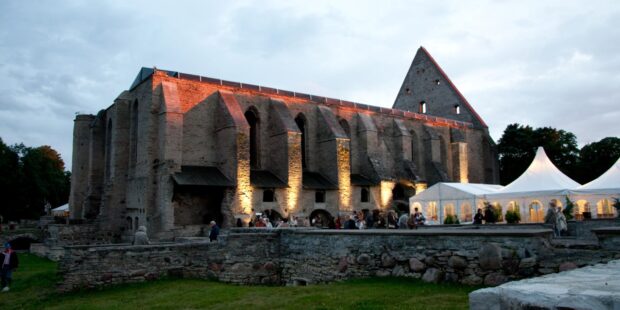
x=455 y=191
x=541 y=178
x=64 y=207
x=607 y=183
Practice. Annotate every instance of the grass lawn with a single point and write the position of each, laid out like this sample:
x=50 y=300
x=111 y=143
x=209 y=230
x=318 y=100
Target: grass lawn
x=34 y=283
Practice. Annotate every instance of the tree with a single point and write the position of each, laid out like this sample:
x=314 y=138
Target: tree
x=516 y=149
x=9 y=176
x=597 y=157
x=518 y=144
x=43 y=179
x=28 y=178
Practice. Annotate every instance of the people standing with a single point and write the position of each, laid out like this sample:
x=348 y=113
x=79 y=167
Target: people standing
x=418 y=218
x=141 y=237
x=10 y=262
x=560 y=222
x=551 y=217
x=402 y=221
x=214 y=232
x=478 y=217
x=489 y=216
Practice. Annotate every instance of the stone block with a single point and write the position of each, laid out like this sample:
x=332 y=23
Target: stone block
x=416 y=265
x=567 y=266
x=495 y=279
x=387 y=260
x=363 y=259
x=472 y=280
x=457 y=262
x=432 y=275
x=490 y=257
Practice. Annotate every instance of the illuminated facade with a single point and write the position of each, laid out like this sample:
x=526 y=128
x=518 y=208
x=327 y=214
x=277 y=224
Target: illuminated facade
x=177 y=150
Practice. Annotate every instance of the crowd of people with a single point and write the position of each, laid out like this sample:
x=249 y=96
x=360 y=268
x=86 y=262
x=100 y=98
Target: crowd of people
x=356 y=220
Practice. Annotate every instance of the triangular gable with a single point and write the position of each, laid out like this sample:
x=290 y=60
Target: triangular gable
x=427 y=82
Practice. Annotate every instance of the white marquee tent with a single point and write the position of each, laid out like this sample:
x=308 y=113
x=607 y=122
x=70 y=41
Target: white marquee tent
x=61 y=211
x=532 y=192
x=460 y=199
x=600 y=193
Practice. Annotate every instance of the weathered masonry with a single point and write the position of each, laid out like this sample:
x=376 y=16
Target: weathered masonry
x=178 y=150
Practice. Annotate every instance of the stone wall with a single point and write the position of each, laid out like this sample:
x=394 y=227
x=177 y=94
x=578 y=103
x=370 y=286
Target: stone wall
x=304 y=256
x=243 y=259
x=583 y=229
x=68 y=235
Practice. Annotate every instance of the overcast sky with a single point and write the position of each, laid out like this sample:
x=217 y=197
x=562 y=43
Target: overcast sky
x=541 y=63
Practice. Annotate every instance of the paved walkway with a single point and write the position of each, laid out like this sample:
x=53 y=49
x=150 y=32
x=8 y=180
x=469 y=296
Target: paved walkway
x=593 y=287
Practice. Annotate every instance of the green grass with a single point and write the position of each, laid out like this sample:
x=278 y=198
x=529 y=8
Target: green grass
x=34 y=283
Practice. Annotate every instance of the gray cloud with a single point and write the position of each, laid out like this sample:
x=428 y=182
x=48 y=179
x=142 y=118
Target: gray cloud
x=545 y=64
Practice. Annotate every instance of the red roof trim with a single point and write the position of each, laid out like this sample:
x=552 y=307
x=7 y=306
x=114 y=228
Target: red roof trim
x=456 y=90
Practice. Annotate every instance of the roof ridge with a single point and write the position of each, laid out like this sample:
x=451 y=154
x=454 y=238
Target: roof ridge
x=454 y=88
x=145 y=73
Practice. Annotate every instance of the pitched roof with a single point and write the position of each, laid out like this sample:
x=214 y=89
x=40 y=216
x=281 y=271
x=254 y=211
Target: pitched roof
x=453 y=87
x=315 y=180
x=541 y=176
x=265 y=179
x=608 y=180
x=201 y=176
x=146 y=73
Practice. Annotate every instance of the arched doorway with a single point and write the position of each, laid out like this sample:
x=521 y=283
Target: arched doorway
x=400 y=197
x=273 y=216
x=321 y=218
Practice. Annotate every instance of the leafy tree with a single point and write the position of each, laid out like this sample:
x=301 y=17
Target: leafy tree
x=9 y=176
x=595 y=158
x=518 y=144
x=28 y=178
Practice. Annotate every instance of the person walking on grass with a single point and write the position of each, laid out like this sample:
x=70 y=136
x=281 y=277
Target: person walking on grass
x=10 y=262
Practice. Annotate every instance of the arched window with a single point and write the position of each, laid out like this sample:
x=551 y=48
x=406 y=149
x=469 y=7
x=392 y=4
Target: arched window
x=252 y=118
x=136 y=223
x=300 y=120
x=537 y=212
x=422 y=107
x=431 y=211
x=129 y=223
x=365 y=194
x=345 y=126
x=108 y=151
x=134 y=134
x=466 y=211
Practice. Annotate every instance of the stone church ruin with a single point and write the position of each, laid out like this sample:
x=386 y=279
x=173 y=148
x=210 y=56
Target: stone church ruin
x=178 y=150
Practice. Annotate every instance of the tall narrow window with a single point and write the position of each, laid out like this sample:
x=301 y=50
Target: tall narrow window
x=253 y=121
x=268 y=195
x=134 y=134
x=457 y=109
x=422 y=107
x=319 y=196
x=301 y=123
x=365 y=195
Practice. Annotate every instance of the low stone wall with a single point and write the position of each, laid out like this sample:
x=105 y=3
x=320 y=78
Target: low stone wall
x=242 y=259
x=67 y=235
x=305 y=256
x=470 y=257
x=583 y=229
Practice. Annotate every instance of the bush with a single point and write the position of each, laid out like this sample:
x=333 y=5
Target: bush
x=513 y=216
x=568 y=210
x=451 y=219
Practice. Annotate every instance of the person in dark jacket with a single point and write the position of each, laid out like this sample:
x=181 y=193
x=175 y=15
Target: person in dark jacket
x=10 y=262
x=478 y=217
x=489 y=216
x=214 y=232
